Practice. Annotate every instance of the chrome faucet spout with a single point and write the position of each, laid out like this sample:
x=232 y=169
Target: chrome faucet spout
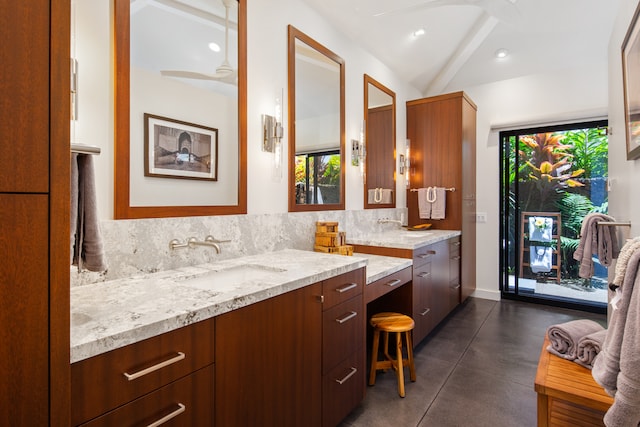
x=389 y=221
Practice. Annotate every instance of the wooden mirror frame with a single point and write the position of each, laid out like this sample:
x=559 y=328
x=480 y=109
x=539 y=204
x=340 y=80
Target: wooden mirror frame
x=122 y=207
x=294 y=34
x=392 y=145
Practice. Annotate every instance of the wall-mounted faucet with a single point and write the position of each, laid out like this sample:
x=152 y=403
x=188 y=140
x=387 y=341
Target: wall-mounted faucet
x=400 y=221
x=192 y=242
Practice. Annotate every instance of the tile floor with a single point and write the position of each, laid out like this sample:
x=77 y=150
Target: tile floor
x=476 y=369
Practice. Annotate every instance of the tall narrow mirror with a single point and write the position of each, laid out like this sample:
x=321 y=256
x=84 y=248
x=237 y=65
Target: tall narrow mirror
x=316 y=125
x=180 y=108
x=380 y=121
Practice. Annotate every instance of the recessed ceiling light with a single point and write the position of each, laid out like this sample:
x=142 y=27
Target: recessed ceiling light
x=214 y=47
x=419 y=32
x=502 y=53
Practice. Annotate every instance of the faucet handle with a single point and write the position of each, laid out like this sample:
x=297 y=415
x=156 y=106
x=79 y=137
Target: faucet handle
x=212 y=239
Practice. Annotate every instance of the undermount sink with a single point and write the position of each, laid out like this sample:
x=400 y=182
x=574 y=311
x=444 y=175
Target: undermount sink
x=231 y=276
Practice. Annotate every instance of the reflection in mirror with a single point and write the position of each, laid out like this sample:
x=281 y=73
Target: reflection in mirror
x=184 y=61
x=380 y=120
x=316 y=125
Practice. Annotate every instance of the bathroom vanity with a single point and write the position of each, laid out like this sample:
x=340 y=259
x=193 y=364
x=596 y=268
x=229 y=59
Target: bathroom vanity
x=276 y=337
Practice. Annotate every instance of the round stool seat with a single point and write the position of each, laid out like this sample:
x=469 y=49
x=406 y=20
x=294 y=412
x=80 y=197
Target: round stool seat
x=392 y=322
x=386 y=323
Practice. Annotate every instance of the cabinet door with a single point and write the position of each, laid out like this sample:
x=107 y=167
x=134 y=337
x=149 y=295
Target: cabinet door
x=423 y=310
x=24 y=317
x=269 y=362
x=24 y=95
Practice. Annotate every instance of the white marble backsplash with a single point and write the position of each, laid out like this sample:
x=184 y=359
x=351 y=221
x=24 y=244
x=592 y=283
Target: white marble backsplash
x=134 y=247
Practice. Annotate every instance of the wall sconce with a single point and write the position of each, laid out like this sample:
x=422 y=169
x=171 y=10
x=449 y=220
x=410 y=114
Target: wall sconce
x=405 y=163
x=272 y=131
x=359 y=150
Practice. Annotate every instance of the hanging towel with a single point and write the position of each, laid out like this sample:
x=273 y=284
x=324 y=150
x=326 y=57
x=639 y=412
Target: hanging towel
x=87 y=250
x=424 y=206
x=588 y=348
x=594 y=240
x=438 y=207
x=540 y=259
x=564 y=337
x=607 y=366
x=623 y=259
x=379 y=195
x=540 y=228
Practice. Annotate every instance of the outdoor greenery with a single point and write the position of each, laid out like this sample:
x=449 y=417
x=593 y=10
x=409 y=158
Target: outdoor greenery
x=557 y=173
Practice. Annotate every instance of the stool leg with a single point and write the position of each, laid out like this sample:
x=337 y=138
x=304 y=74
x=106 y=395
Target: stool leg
x=412 y=368
x=386 y=346
x=374 y=357
x=400 y=370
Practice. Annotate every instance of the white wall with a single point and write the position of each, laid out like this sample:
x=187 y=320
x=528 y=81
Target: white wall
x=267 y=76
x=565 y=95
x=624 y=203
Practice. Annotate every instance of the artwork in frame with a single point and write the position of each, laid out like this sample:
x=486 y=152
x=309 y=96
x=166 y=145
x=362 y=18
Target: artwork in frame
x=177 y=149
x=631 y=84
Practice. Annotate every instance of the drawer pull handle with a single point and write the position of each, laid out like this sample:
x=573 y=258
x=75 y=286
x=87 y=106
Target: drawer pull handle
x=456 y=287
x=153 y=368
x=393 y=283
x=424 y=274
x=424 y=313
x=457 y=257
x=427 y=254
x=166 y=418
x=347 y=317
x=456 y=243
x=349 y=375
x=347 y=288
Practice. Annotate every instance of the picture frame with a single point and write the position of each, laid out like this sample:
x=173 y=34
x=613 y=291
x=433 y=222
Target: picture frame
x=180 y=150
x=631 y=86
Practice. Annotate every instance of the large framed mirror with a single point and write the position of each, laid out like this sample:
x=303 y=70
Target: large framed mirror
x=380 y=121
x=316 y=125
x=182 y=63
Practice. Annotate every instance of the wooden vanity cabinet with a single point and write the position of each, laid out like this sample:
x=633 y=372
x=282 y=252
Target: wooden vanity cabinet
x=343 y=346
x=442 y=133
x=148 y=380
x=278 y=360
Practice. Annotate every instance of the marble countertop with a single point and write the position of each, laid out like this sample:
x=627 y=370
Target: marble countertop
x=110 y=315
x=402 y=239
x=379 y=266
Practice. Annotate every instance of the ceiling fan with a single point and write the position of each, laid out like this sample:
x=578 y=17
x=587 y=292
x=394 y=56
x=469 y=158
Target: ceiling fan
x=504 y=10
x=224 y=72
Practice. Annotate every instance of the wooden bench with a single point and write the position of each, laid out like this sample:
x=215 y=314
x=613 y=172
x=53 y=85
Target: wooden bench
x=567 y=393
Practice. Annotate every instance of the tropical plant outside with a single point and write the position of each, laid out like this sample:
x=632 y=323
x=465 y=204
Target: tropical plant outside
x=560 y=172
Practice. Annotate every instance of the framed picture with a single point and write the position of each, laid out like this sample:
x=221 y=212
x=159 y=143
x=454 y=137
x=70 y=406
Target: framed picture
x=176 y=149
x=631 y=83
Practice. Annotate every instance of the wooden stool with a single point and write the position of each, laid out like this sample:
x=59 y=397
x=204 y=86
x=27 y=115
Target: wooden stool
x=398 y=323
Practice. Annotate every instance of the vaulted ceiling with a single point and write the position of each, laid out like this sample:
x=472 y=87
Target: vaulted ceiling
x=461 y=37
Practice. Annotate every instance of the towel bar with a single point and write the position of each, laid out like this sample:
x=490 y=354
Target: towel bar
x=614 y=224
x=84 y=149
x=413 y=190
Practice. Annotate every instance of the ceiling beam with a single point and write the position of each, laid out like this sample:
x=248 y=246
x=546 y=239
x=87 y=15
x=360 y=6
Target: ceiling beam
x=478 y=33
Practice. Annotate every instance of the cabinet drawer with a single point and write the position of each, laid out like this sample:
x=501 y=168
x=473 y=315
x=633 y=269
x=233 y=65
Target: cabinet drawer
x=454 y=245
x=386 y=284
x=342 y=332
x=343 y=389
x=106 y=381
x=186 y=402
x=423 y=255
x=343 y=287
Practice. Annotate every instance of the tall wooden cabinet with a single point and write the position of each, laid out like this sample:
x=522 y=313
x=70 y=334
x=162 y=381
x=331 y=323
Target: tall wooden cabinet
x=34 y=213
x=442 y=134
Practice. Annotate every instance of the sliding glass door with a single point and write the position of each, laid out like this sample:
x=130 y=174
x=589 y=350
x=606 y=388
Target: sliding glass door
x=551 y=178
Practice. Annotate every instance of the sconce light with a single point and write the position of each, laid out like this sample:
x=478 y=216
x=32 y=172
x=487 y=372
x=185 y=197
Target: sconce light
x=405 y=163
x=359 y=150
x=272 y=132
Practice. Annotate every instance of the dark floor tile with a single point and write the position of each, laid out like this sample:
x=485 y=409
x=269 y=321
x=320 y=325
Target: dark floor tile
x=383 y=406
x=474 y=398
